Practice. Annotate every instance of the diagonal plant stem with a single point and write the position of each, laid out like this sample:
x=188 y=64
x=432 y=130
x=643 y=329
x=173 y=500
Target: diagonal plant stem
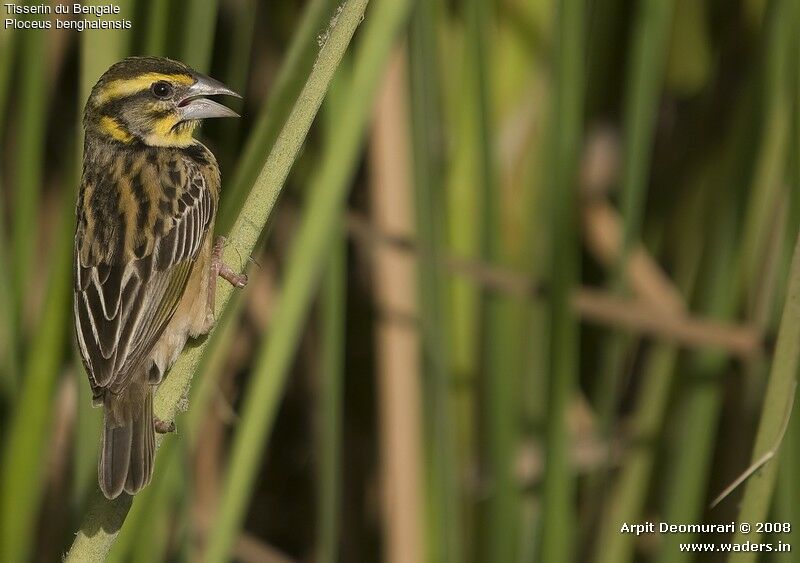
x=297 y=63
x=105 y=518
x=782 y=381
x=759 y=463
x=327 y=196
x=137 y=525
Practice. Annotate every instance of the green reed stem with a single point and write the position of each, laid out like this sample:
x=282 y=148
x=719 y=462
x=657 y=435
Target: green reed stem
x=643 y=89
x=686 y=481
x=649 y=50
x=444 y=536
x=331 y=372
x=559 y=483
x=9 y=327
x=29 y=161
x=157 y=30
x=23 y=457
x=199 y=22
x=627 y=499
x=499 y=373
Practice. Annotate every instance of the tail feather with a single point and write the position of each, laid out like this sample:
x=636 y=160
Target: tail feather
x=126 y=455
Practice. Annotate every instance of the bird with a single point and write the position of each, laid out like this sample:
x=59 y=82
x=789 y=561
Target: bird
x=145 y=266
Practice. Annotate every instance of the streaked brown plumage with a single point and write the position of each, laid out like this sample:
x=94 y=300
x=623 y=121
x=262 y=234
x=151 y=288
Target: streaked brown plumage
x=145 y=267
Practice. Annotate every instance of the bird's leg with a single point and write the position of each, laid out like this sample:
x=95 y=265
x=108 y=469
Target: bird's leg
x=162 y=426
x=221 y=269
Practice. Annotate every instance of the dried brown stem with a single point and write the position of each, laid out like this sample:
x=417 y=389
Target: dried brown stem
x=659 y=321
x=397 y=342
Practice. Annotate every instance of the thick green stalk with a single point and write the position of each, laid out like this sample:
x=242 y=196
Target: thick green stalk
x=558 y=516
x=327 y=196
x=104 y=518
x=212 y=366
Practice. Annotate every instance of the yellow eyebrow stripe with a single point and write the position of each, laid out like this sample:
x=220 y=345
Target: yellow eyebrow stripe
x=114 y=129
x=125 y=87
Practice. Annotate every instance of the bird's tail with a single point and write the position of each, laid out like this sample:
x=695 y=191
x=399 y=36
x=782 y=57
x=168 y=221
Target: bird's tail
x=126 y=453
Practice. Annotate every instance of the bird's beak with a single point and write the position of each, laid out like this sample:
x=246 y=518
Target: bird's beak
x=194 y=106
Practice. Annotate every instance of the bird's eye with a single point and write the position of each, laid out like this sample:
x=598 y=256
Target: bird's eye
x=161 y=89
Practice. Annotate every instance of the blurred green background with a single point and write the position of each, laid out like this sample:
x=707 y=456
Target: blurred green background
x=531 y=278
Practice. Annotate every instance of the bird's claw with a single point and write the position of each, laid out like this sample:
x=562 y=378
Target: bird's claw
x=222 y=270
x=163 y=427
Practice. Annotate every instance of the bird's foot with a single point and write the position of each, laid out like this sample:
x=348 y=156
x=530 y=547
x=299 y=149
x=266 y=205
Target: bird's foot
x=162 y=426
x=221 y=269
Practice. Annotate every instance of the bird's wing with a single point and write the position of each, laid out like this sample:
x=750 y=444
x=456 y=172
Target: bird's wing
x=124 y=299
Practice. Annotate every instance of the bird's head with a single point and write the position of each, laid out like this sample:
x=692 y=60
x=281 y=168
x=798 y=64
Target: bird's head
x=152 y=100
